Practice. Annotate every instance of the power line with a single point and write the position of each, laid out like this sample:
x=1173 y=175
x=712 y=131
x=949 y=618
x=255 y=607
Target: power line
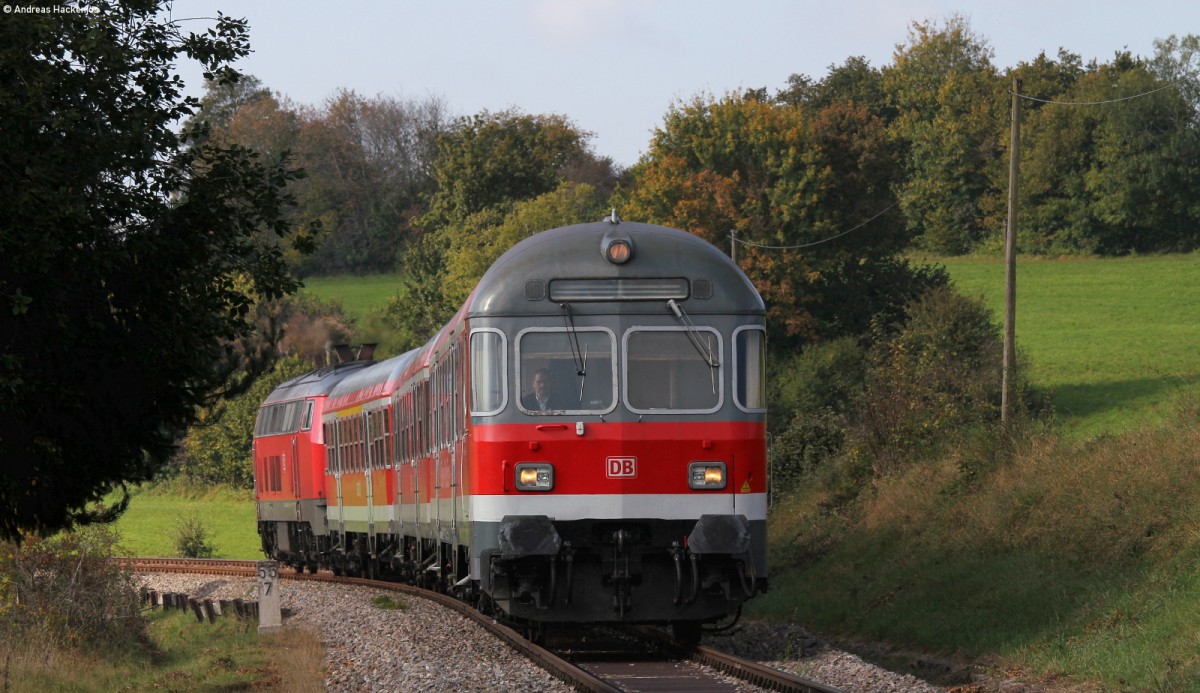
x=1172 y=85
x=734 y=237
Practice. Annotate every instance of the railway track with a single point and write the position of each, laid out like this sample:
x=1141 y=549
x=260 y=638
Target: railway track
x=590 y=659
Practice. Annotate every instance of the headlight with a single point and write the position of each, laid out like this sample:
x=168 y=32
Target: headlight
x=616 y=247
x=535 y=476
x=618 y=252
x=706 y=475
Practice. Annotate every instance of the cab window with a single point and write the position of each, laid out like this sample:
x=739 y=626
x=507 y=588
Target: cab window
x=566 y=371
x=671 y=370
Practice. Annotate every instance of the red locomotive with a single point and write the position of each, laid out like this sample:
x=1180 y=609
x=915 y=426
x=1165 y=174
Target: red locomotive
x=584 y=442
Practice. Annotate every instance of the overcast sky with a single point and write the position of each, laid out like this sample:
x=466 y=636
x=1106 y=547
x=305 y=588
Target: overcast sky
x=614 y=67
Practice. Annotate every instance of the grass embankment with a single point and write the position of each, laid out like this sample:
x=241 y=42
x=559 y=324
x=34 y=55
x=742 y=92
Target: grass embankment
x=181 y=655
x=1073 y=559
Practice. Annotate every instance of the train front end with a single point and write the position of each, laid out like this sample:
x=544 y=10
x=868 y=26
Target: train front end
x=618 y=409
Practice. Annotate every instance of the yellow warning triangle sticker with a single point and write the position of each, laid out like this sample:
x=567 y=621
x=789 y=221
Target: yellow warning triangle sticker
x=746 y=486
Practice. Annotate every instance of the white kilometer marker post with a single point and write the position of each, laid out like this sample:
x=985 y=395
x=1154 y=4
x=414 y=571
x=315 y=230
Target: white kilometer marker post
x=269 y=616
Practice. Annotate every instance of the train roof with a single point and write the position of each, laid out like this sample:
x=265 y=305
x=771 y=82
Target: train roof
x=377 y=379
x=314 y=383
x=521 y=282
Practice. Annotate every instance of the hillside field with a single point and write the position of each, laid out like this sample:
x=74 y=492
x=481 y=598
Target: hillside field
x=1110 y=339
x=359 y=296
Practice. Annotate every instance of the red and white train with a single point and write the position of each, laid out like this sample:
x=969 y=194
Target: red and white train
x=628 y=486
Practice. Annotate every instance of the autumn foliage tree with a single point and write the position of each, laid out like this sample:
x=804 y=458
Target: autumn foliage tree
x=808 y=192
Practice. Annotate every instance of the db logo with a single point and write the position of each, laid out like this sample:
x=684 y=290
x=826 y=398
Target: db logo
x=621 y=467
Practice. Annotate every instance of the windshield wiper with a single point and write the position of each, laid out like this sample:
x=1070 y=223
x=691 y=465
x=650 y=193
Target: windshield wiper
x=573 y=337
x=693 y=334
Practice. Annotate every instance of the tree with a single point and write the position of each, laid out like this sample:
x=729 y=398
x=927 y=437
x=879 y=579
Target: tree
x=370 y=164
x=943 y=87
x=932 y=378
x=1057 y=151
x=487 y=167
x=1143 y=183
x=1109 y=167
x=217 y=450
x=475 y=246
x=495 y=159
x=445 y=266
x=223 y=100
x=130 y=256
x=854 y=81
x=793 y=182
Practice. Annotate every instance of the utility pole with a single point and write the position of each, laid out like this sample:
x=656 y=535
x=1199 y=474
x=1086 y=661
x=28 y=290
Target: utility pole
x=1010 y=262
x=733 y=245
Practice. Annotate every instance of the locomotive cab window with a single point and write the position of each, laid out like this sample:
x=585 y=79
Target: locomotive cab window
x=308 y=417
x=276 y=419
x=566 y=371
x=673 y=370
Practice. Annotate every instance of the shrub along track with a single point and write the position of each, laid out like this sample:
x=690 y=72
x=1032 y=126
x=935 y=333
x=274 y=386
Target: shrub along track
x=589 y=659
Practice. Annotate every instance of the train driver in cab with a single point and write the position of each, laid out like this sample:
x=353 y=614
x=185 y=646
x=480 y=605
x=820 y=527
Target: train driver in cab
x=538 y=401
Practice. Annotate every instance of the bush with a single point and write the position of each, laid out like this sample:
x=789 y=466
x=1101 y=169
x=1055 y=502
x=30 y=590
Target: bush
x=811 y=439
x=938 y=375
x=824 y=376
x=66 y=592
x=191 y=538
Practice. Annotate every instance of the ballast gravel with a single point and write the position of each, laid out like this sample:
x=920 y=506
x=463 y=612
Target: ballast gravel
x=429 y=648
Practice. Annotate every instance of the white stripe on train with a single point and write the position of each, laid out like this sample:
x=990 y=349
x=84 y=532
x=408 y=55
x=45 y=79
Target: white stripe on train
x=566 y=507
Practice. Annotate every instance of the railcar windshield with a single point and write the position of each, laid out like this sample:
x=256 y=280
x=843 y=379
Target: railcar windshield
x=566 y=370
x=666 y=371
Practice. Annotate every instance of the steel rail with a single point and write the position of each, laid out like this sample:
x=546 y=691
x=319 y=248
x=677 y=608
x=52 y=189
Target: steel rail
x=745 y=669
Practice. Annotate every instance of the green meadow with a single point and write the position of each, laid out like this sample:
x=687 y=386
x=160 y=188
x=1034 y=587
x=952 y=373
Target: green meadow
x=1060 y=555
x=359 y=296
x=1112 y=340
x=151 y=525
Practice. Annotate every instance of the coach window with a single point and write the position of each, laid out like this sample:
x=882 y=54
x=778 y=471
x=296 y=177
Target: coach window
x=750 y=369
x=673 y=370
x=578 y=365
x=308 y=416
x=330 y=448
